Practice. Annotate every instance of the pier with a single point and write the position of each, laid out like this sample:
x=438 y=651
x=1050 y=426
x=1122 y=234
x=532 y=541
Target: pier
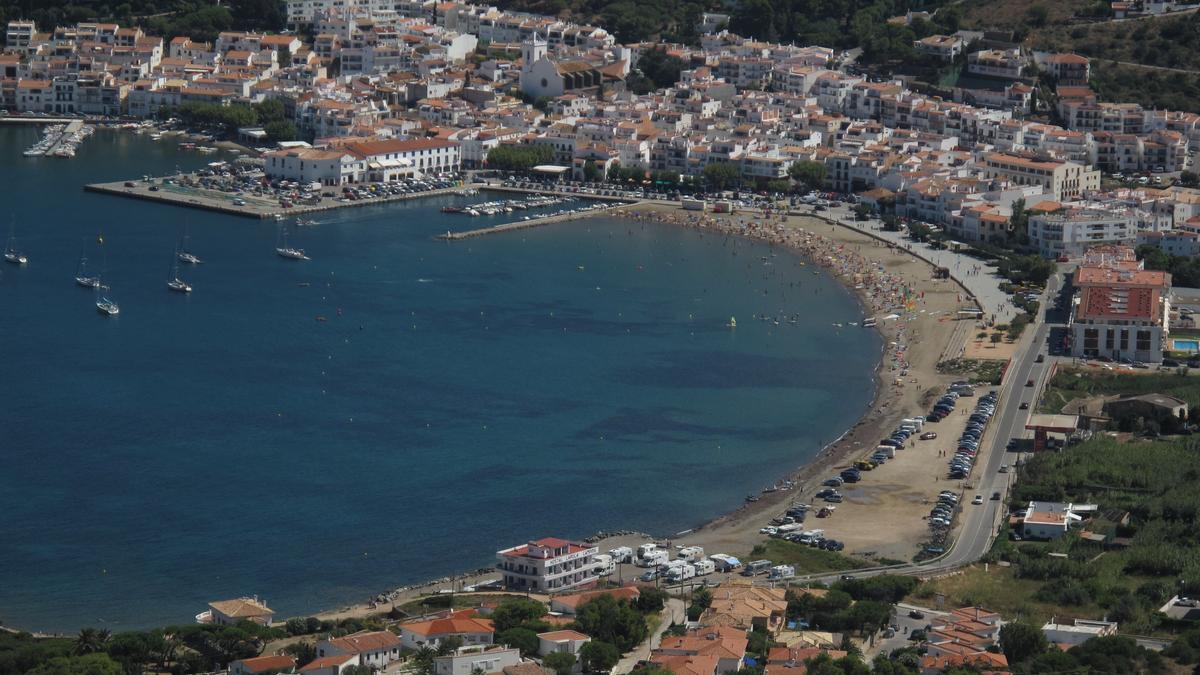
x=170 y=191
x=534 y=221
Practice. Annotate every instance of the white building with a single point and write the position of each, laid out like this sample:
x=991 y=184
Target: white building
x=1064 y=180
x=1077 y=632
x=468 y=660
x=375 y=649
x=548 y=565
x=311 y=165
x=1121 y=313
x=1073 y=231
x=397 y=159
x=230 y=612
x=562 y=642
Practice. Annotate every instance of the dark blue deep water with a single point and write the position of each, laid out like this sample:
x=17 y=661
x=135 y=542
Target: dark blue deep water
x=460 y=398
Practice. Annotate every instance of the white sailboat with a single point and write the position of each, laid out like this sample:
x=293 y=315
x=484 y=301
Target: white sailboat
x=173 y=281
x=81 y=277
x=183 y=254
x=11 y=254
x=286 y=251
x=104 y=304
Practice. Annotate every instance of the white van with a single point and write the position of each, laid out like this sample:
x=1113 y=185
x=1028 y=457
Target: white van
x=781 y=572
x=654 y=559
x=621 y=554
x=918 y=422
x=704 y=567
x=604 y=564
x=681 y=573
x=690 y=553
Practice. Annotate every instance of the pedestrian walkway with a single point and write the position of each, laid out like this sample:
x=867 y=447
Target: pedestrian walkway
x=979 y=279
x=674 y=612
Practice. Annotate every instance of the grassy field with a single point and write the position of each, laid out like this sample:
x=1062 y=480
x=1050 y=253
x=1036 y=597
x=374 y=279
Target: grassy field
x=1071 y=384
x=980 y=371
x=806 y=559
x=1148 y=512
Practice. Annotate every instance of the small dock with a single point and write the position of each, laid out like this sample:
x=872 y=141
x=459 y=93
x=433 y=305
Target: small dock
x=72 y=128
x=534 y=222
x=255 y=206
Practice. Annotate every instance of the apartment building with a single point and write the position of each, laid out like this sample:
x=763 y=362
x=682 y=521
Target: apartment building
x=1120 y=311
x=1069 y=232
x=1064 y=180
x=548 y=565
x=1002 y=63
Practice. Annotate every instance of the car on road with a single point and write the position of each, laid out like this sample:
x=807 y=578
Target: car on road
x=1024 y=405
x=916 y=614
x=1028 y=383
x=1040 y=358
x=995 y=496
x=1003 y=468
x=977 y=500
x=929 y=435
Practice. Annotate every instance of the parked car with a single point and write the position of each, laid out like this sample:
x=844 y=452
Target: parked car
x=977 y=500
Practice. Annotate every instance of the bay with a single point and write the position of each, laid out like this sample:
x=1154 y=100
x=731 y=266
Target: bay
x=457 y=399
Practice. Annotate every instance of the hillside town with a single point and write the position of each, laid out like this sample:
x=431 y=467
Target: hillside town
x=387 y=91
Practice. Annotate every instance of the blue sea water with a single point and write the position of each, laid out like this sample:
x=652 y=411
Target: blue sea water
x=460 y=398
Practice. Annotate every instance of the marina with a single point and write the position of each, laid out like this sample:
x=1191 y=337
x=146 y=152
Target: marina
x=61 y=140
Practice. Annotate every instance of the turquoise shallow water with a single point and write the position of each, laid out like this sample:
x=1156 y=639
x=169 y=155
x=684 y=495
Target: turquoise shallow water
x=460 y=398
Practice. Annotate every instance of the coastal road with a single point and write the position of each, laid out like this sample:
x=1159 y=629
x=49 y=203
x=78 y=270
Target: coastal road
x=978 y=523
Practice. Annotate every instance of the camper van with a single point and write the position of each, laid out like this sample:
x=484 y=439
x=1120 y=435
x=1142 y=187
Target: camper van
x=781 y=572
x=621 y=554
x=648 y=556
x=604 y=564
x=725 y=563
x=690 y=553
x=756 y=567
x=704 y=567
x=681 y=573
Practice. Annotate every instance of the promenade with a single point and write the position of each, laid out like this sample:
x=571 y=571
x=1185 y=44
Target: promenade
x=972 y=273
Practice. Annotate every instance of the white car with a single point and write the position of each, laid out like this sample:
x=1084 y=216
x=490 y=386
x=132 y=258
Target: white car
x=977 y=500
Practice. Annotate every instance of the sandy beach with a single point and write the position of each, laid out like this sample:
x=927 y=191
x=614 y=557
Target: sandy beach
x=883 y=517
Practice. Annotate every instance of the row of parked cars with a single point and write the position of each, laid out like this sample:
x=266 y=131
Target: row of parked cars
x=943 y=511
x=968 y=444
x=397 y=188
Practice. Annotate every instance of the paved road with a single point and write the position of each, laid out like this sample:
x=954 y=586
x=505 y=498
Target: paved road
x=674 y=612
x=978 y=524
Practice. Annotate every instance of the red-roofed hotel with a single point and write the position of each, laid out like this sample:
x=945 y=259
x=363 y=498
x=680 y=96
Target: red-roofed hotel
x=1120 y=311
x=548 y=565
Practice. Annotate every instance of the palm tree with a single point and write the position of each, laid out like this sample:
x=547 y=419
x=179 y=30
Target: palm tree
x=90 y=641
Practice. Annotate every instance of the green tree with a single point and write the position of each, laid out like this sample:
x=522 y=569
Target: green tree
x=562 y=663
x=611 y=621
x=754 y=18
x=305 y=652
x=1021 y=641
x=422 y=660
x=523 y=639
x=280 y=130
x=90 y=641
x=598 y=657
x=722 y=175
x=808 y=174
x=1019 y=221
x=651 y=600
x=516 y=611
x=88 y=664
x=449 y=645
x=591 y=172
